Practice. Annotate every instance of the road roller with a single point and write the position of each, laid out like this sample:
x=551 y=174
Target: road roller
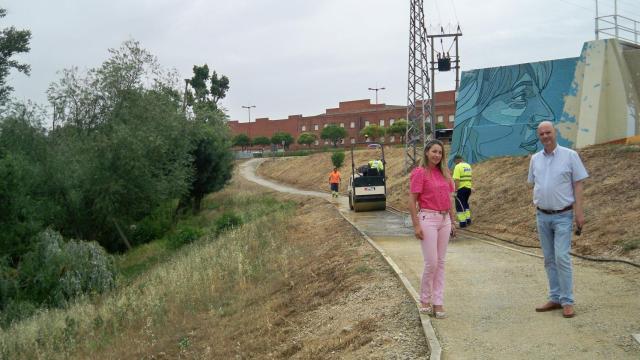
x=367 y=184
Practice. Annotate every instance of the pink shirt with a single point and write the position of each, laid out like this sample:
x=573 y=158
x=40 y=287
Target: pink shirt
x=433 y=189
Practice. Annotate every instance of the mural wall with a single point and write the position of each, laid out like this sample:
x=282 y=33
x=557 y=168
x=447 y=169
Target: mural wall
x=592 y=99
x=498 y=109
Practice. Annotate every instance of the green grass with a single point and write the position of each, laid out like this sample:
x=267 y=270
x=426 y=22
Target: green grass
x=160 y=285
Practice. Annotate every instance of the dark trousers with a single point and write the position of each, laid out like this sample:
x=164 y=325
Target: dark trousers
x=463 y=199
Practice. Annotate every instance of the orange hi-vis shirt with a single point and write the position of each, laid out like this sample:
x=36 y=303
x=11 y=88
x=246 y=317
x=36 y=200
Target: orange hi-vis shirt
x=334 y=177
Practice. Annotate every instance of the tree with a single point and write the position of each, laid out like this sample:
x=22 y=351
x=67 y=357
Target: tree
x=279 y=137
x=241 y=140
x=212 y=160
x=373 y=131
x=333 y=133
x=207 y=89
x=337 y=158
x=307 y=138
x=261 y=140
x=12 y=42
x=398 y=128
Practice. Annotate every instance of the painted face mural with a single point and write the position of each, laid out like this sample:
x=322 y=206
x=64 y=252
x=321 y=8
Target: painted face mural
x=499 y=109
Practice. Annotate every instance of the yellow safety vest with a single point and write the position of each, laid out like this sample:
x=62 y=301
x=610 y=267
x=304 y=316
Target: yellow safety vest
x=462 y=173
x=376 y=164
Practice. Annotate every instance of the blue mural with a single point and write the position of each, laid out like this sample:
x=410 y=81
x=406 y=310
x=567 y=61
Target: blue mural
x=498 y=109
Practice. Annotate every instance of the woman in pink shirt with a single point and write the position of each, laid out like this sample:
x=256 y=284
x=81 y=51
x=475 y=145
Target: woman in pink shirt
x=431 y=189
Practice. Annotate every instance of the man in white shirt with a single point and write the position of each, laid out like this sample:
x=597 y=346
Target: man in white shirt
x=557 y=174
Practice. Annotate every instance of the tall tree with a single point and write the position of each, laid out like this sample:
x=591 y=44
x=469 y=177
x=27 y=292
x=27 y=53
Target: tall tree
x=12 y=42
x=206 y=90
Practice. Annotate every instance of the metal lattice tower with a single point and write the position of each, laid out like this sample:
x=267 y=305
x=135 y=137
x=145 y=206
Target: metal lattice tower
x=418 y=90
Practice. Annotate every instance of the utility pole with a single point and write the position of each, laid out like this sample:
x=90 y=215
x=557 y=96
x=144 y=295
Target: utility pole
x=418 y=92
x=376 y=90
x=442 y=63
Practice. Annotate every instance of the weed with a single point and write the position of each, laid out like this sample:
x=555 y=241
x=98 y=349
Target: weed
x=363 y=269
x=184 y=343
x=630 y=244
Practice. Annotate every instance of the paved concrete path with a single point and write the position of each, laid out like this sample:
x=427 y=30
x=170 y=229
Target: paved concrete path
x=492 y=291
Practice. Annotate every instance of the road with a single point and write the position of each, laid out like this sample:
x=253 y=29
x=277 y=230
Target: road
x=491 y=292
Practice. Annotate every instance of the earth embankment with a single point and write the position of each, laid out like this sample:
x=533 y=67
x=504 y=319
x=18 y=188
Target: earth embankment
x=501 y=203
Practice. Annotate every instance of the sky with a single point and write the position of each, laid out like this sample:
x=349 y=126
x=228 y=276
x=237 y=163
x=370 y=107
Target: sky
x=288 y=57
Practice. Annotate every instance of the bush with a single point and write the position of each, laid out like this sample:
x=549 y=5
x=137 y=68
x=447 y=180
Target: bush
x=184 y=235
x=57 y=271
x=153 y=226
x=337 y=158
x=227 y=220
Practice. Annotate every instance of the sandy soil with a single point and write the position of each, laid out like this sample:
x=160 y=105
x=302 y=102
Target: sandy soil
x=501 y=204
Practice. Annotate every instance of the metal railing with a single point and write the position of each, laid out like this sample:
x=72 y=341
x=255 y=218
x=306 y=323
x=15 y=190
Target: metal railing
x=619 y=27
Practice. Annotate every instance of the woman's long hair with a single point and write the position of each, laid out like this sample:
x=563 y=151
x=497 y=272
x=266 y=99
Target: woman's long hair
x=442 y=165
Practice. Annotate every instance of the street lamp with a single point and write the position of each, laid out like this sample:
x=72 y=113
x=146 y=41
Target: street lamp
x=248 y=107
x=376 y=90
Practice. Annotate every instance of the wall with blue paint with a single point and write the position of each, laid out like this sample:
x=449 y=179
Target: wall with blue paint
x=592 y=99
x=498 y=109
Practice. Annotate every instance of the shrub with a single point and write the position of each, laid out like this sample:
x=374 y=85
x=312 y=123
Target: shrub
x=153 y=226
x=184 y=235
x=227 y=220
x=337 y=158
x=57 y=271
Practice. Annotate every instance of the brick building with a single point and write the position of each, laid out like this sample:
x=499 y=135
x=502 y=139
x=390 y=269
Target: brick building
x=352 y=115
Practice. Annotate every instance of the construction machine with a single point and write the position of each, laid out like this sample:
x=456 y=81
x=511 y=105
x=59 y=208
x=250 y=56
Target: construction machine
x=367 y=184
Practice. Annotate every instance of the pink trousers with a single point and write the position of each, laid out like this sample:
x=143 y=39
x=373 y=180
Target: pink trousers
x=436 y=229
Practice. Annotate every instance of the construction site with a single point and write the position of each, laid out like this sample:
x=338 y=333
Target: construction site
x=495 y=271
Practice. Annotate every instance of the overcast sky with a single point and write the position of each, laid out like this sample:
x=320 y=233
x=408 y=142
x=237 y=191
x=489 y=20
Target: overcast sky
x=296 y=56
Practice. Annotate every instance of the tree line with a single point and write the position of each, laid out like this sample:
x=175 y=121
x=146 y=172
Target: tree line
x=123 y=154
x=332 y=133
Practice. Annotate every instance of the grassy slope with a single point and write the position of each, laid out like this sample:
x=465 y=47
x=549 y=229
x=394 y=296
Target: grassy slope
x=501 y=203
x=261 y=290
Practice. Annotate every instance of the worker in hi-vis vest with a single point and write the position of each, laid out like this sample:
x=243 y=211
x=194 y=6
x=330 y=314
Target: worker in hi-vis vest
x=377 y=165
x=462 y=179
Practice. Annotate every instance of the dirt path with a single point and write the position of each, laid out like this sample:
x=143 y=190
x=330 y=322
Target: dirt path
x=492 y=291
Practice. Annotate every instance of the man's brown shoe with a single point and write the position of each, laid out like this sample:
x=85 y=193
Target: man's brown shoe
x=568 y=312
x=548 y=307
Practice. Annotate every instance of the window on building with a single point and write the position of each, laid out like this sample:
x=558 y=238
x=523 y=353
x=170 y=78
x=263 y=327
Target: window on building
x=366 y=123
x=440 y=118
x=381 y=122
x=341 y=125
x=304 y=128
x=391 y=121
x=451 y=119
x=392 y=138
x=316 y=142
x=315 y=127
x=352 y=125
x=326 y=142
x=353 y=141
x=342 y=141
x=325 y=125
x=382 y=139
x=367 y=139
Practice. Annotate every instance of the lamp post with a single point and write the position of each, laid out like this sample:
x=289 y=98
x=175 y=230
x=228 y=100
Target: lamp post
x=376 y=90
x=248 y=107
